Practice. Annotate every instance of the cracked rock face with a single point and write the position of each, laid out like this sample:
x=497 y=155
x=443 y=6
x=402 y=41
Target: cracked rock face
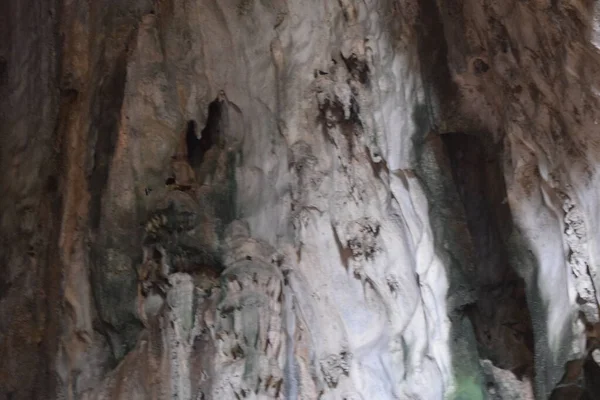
x=244 y=199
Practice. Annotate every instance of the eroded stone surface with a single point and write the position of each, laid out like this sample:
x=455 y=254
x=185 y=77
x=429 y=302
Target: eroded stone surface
x=319 y=243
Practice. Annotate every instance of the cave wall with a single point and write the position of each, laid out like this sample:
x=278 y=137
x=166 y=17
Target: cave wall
x=30 y=287
x=303 y=199
x=526 y=74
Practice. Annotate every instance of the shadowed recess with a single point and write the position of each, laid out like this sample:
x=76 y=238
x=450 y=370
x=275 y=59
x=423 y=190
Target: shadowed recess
x=500 y=315
x=210 y=135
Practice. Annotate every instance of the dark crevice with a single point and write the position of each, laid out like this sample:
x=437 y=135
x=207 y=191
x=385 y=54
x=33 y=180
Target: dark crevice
x=345 y=252
x=210 y=135
x=480 y=66
x=357 y=68
x=432 y=48
x=500 y=315
x=348 y=127
x=3 y=71
x=191 y=138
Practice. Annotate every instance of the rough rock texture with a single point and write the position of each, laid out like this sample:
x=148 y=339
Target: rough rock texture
x=271 y=199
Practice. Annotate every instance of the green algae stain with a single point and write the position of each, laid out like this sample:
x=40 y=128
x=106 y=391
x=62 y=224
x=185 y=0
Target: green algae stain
x=467 y=388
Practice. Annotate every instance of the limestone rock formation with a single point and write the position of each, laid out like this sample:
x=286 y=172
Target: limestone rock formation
x=299 y=199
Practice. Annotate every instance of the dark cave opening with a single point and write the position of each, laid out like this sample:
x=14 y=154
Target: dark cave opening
x=209 y=136
x=500 y=315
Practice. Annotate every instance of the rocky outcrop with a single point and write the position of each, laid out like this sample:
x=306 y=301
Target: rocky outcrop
x=298 y=199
